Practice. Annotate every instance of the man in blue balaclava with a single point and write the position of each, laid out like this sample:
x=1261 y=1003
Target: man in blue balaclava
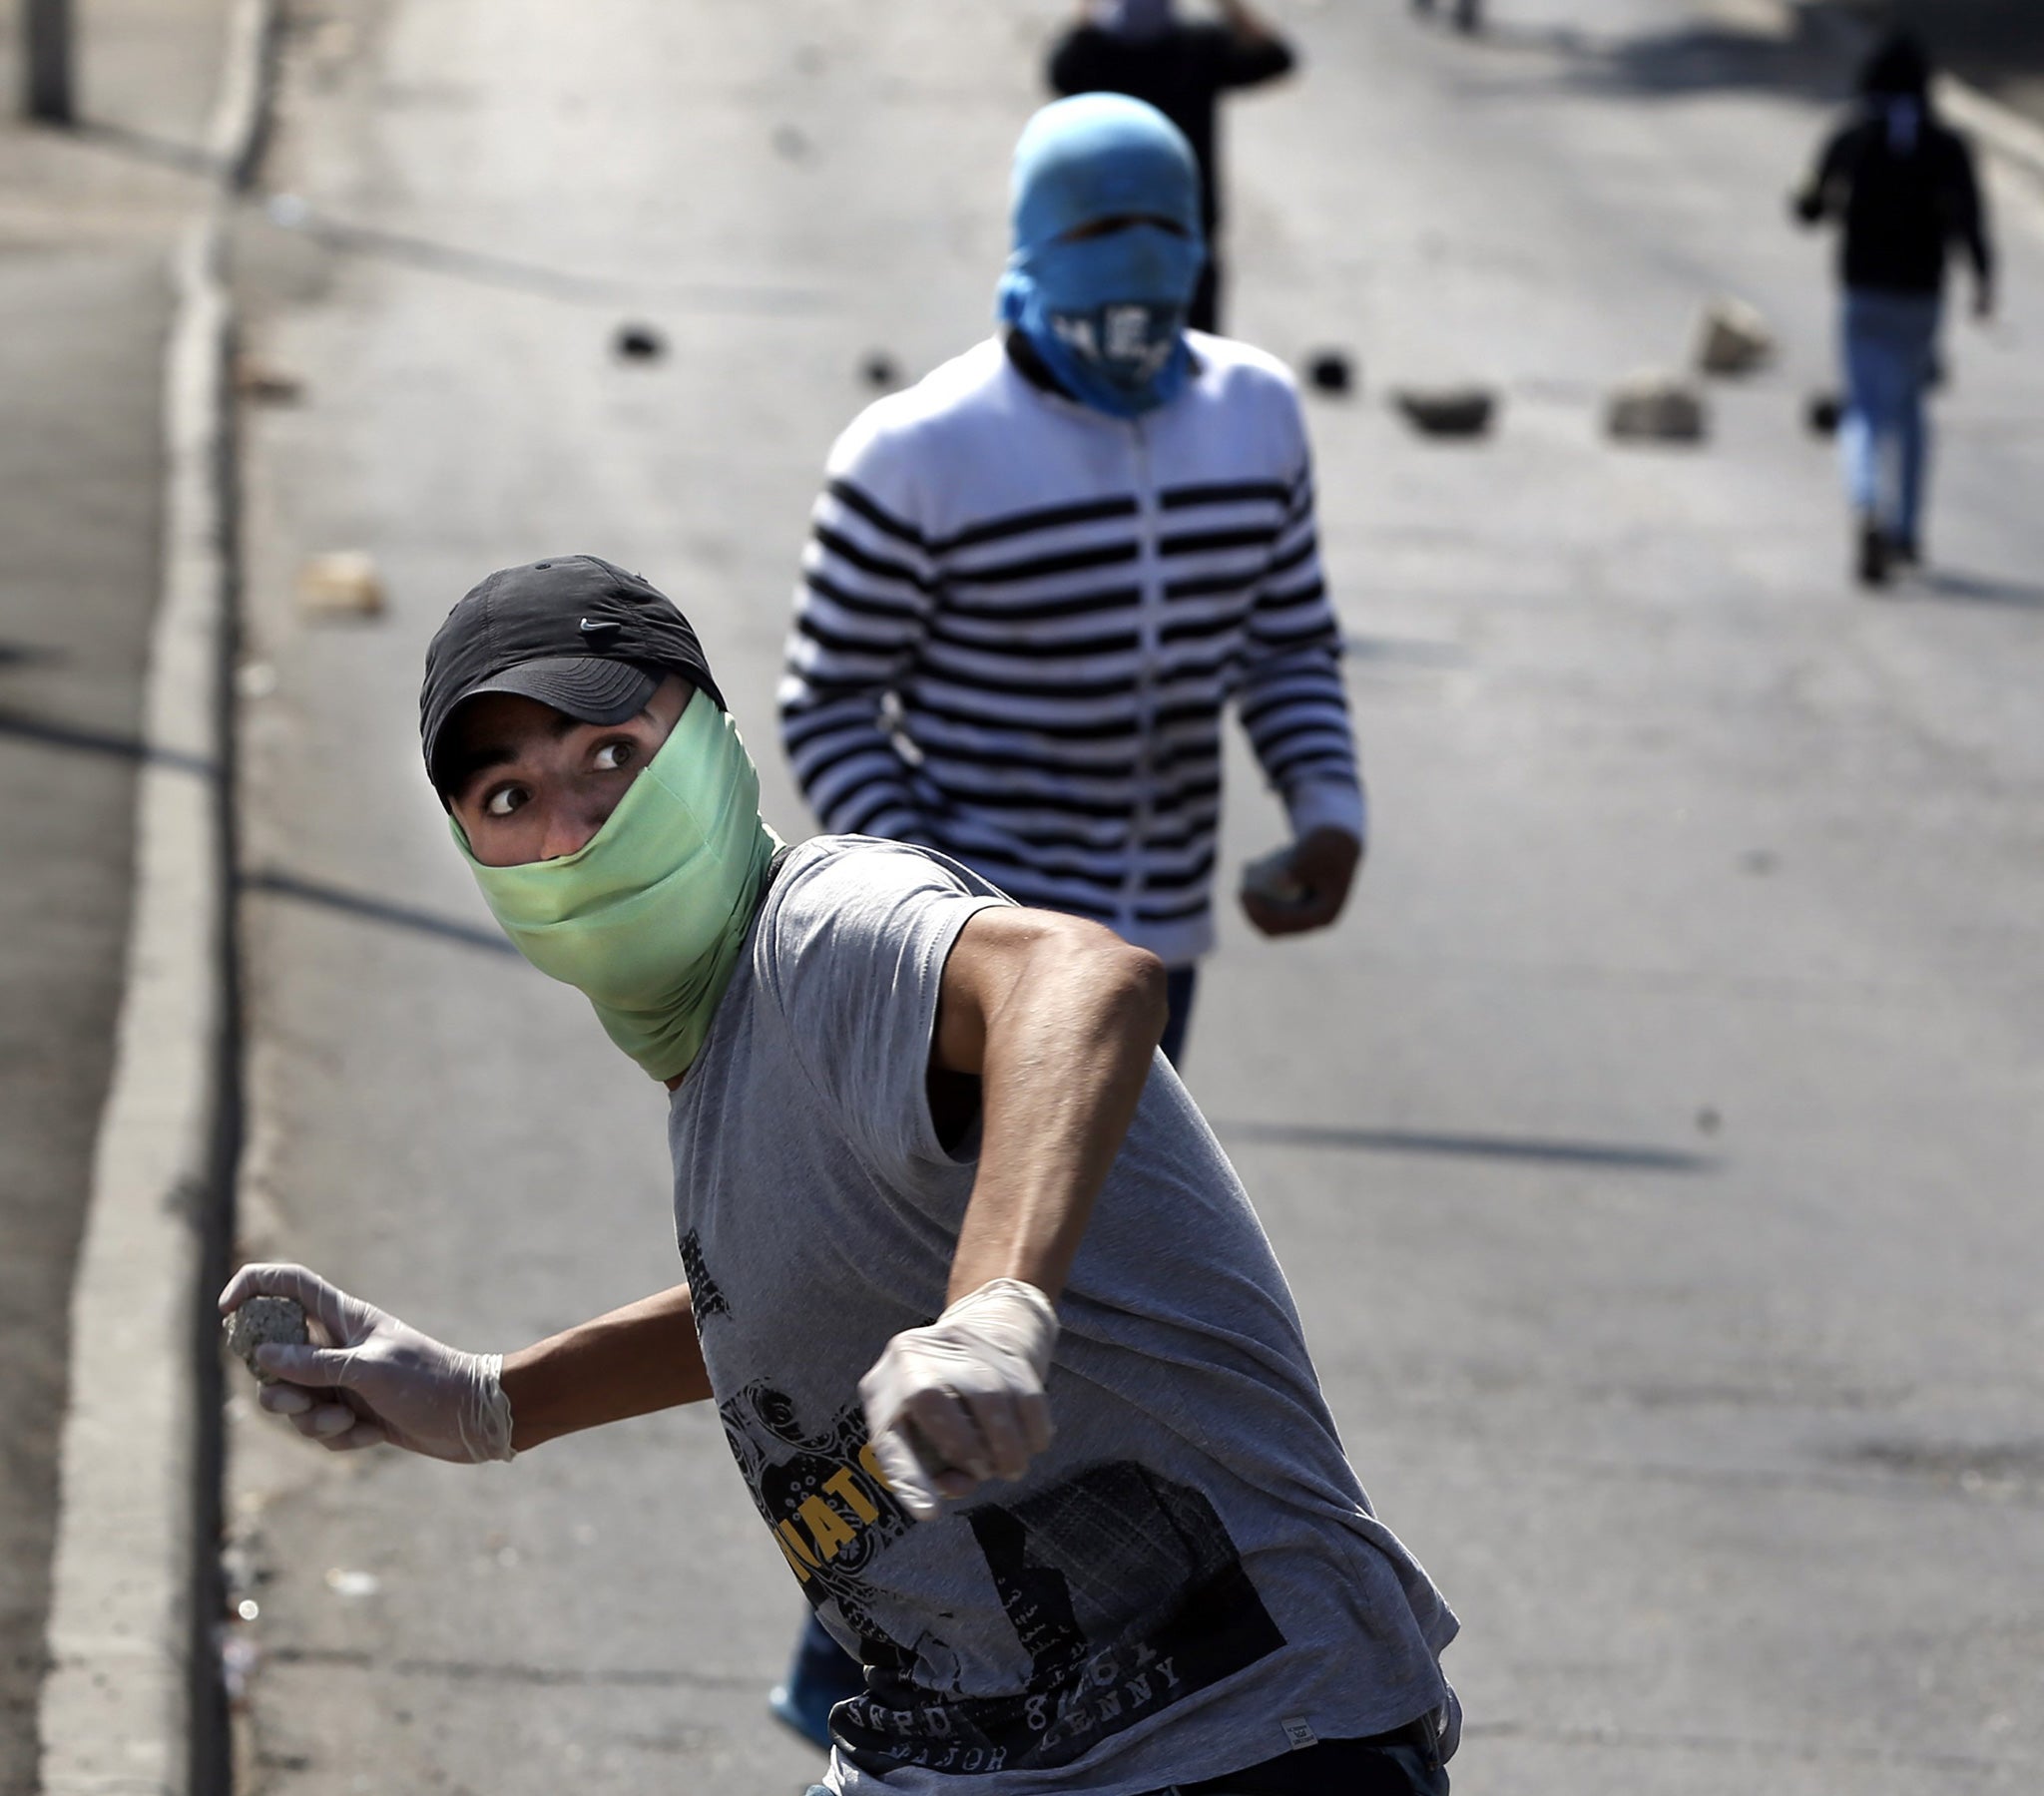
x=1036 y=579
x=1108 y=249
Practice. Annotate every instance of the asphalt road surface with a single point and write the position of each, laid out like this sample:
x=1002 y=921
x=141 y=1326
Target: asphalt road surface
x=1656 y=1146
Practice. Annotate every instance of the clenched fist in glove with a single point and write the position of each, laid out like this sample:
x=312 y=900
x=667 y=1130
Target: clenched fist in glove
x=961 y=1401
x=372 y=1379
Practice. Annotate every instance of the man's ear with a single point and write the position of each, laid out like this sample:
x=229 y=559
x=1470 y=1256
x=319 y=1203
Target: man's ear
x=665 y=694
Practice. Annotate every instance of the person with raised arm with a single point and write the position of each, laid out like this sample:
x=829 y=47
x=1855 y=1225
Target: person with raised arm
x=999 y=1346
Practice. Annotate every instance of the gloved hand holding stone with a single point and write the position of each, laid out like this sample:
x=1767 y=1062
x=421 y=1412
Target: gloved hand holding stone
x=374 y=1379
x=958 y=1402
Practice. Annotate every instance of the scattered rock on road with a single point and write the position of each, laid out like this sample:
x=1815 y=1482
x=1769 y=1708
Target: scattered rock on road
x=1451 y=411
x=1330 y=372
x=345 y=583
x=639 y=342
x=880 y=370
x=1824 y=414
x=1655 y=407
x=1732 y=338
x=266 y=383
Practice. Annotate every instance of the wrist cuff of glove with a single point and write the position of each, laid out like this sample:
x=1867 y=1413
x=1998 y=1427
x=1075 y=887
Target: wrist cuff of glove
x=486 y=1426
x=1006 y=1291
x=1025 y=1313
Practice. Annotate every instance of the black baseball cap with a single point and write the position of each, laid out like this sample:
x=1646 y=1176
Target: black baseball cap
x=574 y=632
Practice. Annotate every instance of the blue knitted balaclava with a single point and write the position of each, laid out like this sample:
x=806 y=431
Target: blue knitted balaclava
x=1105 y=314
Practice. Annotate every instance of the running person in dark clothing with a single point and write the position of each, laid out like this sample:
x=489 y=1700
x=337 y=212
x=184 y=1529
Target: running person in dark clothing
x=1905 y=188
x=1141 y=48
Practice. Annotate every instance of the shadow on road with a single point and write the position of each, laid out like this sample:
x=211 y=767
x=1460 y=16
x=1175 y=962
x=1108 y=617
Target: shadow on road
x=1981 y=588
x=1408 y=652
x=141 y=145
x=47 y=734
x=278 y=884
x=1615 y=1156
x=286 y=211
x=1684 y=59
x=1996 y=45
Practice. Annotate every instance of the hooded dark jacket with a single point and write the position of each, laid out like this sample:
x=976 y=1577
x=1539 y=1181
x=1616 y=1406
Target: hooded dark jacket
x=1906 y=195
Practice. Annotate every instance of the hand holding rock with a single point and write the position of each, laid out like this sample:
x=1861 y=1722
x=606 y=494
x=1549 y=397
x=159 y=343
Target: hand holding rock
x=368 y=1378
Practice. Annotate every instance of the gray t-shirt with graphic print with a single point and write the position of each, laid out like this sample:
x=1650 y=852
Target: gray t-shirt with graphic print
x=1190 y=1579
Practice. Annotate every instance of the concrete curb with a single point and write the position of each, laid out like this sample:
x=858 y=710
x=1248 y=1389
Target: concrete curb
x=241 y=117
x=122 y=1700
x=117 y=1704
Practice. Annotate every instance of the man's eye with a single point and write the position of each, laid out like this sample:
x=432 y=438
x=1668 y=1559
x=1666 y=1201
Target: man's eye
x=503 y=801
x=613 y=755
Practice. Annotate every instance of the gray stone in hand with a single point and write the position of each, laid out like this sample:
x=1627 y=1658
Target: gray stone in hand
x=264 y=1319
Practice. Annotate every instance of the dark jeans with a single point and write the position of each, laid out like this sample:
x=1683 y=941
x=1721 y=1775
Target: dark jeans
x=1205 y=311
x=823 y=1670
x=1180 y=984
x=1405 y=1762
x=1891 y=345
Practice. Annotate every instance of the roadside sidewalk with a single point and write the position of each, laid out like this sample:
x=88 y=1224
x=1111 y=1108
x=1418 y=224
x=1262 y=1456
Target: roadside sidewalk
x=88 y=221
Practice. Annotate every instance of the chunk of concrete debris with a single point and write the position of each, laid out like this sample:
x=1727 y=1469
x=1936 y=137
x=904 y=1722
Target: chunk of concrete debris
x=1732 y=338
x=265 y=383
x=261 y=1320
x=1270 y=876
x=1330 y=372
x=639 y=342
x=345 y=583
x=1654 y=407
x=1449 y=411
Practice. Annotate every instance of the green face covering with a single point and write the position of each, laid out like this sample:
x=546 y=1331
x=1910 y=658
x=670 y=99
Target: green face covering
x=646 y=918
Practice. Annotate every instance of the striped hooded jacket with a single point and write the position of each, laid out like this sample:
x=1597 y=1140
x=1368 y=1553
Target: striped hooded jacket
x=1020 y=620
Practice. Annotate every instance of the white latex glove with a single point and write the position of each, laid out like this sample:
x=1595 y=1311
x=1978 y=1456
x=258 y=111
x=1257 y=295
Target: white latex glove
x=373 y=1379
x=961 y=1401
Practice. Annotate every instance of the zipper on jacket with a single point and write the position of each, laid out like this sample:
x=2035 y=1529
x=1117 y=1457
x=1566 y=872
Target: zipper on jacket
x=1149 y=645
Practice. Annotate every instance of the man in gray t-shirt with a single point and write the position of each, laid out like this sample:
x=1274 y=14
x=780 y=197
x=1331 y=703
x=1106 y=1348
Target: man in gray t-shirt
x=997 y=1341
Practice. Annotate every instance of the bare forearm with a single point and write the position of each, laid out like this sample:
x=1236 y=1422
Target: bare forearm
x=636 y=1360
x=1065 y=1057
